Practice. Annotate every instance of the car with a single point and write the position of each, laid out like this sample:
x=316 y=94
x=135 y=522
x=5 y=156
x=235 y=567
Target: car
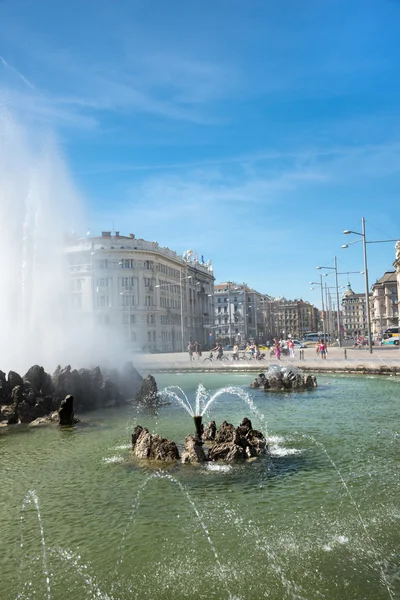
x=393 y=341
x=297 y=344
x=228 y=347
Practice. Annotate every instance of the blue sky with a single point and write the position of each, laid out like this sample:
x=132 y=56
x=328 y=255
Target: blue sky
x=252 y=132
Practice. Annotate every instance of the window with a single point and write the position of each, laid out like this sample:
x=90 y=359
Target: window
x=127 y=300
x=127 y=263
x=127 y=281
x=102 y=263
x=103 y=282
x=103 y=301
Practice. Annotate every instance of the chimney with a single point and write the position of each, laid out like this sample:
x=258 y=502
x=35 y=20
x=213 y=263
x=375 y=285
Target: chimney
x=117 y=234
x=132 y=236
x=106 y=234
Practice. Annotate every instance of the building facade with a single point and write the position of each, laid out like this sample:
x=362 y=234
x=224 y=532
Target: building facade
x=385 y=303
x=354 y=314
x=396 y=265
x=292 y=317
x=239 y=314
x=152 y=298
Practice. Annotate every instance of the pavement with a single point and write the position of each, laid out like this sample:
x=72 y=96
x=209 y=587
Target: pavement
x=350 y=360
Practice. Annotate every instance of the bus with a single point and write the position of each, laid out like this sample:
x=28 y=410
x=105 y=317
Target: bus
x=314 y=337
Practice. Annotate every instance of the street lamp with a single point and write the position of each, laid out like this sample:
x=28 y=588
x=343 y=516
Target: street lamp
x=322 y=300
x=364 y=241
x=337 y=299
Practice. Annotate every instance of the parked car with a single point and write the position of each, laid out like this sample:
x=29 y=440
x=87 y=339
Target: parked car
x=228 y=347
x=298 y=344
x=393 y=341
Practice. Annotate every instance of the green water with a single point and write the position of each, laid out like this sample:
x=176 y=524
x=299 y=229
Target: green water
x=288 y=526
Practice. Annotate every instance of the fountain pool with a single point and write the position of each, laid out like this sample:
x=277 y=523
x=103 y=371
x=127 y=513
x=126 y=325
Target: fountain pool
x=319 y=518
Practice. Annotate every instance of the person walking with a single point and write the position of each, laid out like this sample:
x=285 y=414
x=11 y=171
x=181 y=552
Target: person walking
x=190 y=350
x=322 y=350
x=235 y=351
x=277 y=351
x=291 y=348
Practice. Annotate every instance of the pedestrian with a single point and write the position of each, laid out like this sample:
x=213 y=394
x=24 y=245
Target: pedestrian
x=196 y=350
x=322 y=350
x=257 y=353
x=235 y=351
x=317 y=346
x=190 y=350
x=277 y=351
x=291 y=348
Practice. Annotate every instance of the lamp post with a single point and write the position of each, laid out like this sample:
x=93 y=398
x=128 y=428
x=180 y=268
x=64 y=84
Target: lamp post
x=322 y=301
x=364 y=241
x=181 y=279
x=337 y=299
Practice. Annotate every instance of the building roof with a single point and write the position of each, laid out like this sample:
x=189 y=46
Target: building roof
x=387 y=277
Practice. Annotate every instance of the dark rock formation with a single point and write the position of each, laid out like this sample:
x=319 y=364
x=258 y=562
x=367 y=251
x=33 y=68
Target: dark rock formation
x=285 y=378
x=66 y=411
x=209 y=432
x=193 y=451
x=5 y=391
x=233 y=444
x=38 y=394
x=230 y=444
x=147 y=395
x=153 y=447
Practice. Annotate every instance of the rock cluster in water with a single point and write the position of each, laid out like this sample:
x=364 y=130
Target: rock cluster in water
x=38 y=394
x=227 y=443
x=284 y=378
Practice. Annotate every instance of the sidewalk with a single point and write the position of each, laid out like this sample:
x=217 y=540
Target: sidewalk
x=382 y=361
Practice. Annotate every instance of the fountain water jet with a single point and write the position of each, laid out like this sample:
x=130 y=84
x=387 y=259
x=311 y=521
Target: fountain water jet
x=204 y=400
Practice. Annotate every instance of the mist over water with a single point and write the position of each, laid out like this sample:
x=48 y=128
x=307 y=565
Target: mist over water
x=39 y=205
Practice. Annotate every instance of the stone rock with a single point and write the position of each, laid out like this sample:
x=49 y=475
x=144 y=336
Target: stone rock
x=39 y=380
x=210 y=431
x=66 y=411
x=8 y=414
x=229 y=452
x=153 y=447
x=259 y=381
x=233 y=444
x=147 y=394
x=193 y=450
x=5 y=392
x=14 y=379
x=130 y=380
x=285 y=378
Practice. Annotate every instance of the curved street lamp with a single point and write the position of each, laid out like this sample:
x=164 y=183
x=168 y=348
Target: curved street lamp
x=364 y=241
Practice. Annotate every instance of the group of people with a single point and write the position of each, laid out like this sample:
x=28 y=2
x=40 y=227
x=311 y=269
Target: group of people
x=194 y=349
x=280 y=344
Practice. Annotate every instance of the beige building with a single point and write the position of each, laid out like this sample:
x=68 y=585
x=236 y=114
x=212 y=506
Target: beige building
x=385 y=303
x=292 y=317
x=239 y=314
x=354 y=314
x=396 y=265
x=151 y=297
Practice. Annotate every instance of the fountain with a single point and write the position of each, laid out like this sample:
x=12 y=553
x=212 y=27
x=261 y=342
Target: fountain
x=39 y=207
x=315 y=517
x=285 y=378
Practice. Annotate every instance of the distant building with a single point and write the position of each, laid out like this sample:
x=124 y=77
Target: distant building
x=354 y=314
x=385 y=307
x=293 y=317
x=239 y=313
x=396 y=265
x=154 y=299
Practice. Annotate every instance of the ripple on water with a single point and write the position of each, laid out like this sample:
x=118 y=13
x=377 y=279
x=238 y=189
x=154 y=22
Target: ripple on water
x=113 y=459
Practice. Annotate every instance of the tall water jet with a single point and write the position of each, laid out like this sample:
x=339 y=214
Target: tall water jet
x=39 y=207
